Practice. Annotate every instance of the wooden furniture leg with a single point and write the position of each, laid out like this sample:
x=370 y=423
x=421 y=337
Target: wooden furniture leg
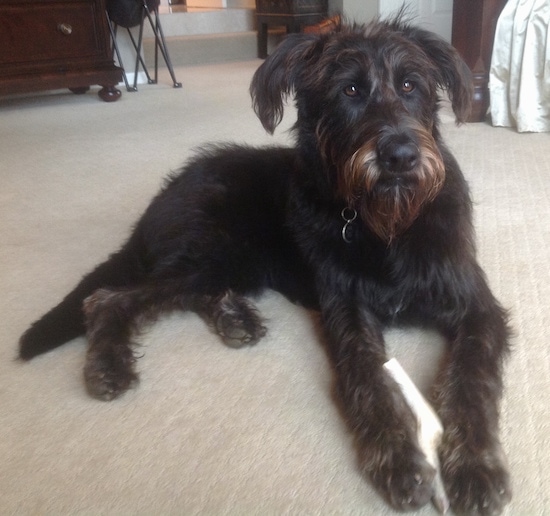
x=474 y=24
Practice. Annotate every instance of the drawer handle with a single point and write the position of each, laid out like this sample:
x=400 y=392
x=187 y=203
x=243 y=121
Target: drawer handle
x=65 y=28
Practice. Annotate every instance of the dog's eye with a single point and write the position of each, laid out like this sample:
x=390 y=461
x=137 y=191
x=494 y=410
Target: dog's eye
x=351 y=90
x=407 y=86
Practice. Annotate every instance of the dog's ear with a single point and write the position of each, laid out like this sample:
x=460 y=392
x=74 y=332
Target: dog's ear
x=453 y=74
x=279 y=75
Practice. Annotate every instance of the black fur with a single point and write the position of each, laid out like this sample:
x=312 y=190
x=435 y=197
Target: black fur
x=367 y=219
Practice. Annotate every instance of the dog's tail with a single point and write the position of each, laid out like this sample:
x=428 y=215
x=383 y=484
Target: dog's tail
x=65 y=321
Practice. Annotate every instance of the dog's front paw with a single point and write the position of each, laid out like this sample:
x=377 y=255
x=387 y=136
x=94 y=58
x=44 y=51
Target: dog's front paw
x=476 y=484
x=403 y=476
x=108 y=375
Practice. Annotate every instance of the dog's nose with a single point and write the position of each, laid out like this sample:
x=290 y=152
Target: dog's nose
x=396 y=156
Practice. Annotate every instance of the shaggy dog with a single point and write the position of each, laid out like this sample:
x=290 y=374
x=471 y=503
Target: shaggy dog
x=367 y=219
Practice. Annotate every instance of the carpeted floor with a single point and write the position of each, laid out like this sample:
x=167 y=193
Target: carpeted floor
x=211 y=430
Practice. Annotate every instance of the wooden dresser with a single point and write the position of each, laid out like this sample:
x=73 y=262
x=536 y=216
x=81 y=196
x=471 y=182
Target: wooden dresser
x=51 y=44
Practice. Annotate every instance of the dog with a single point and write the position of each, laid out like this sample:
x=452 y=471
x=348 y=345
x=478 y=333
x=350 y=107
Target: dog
x=368 y=219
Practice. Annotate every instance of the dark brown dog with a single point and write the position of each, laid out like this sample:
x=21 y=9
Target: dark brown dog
x=368 y=219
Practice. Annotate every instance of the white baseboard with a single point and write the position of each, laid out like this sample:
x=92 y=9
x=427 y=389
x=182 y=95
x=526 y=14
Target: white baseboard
x=141 y=79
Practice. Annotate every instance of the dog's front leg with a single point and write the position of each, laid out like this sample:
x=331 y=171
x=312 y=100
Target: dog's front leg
x=383 y=424
x=468 y=394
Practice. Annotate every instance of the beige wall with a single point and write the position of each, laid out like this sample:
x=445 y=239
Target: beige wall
x=361 y=10
x=356 y=10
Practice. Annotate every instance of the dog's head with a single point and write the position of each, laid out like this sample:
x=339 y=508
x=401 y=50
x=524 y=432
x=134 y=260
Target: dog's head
x=367 y=99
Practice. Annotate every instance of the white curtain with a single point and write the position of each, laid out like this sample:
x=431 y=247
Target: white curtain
x=520 y=67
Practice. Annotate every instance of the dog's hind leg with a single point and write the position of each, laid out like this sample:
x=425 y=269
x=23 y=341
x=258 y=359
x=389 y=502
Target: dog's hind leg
x=234 y=318
x=112 y=317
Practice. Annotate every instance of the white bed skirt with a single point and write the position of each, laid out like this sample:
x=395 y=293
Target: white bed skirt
x=520 y=67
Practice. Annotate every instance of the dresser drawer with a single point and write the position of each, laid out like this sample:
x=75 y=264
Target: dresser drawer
x=52 y=44
x=57 y=31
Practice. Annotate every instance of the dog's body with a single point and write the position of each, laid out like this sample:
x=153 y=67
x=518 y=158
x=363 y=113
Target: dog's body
x=368 y=219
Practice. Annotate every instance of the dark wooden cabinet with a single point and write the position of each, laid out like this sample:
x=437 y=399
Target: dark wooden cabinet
x=50 y=44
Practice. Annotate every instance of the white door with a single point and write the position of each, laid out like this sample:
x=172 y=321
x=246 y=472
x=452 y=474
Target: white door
x=437 y=16
x=434 y=15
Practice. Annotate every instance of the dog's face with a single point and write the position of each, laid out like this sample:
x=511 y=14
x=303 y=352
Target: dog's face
x=367 y=103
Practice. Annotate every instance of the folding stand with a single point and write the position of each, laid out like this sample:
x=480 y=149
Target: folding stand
x=160 y=44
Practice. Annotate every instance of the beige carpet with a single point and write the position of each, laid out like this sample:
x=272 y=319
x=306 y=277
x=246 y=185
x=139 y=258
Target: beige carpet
x=211 y=430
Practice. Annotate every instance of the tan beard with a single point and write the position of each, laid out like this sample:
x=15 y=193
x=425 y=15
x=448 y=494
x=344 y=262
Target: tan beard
x=389 y=210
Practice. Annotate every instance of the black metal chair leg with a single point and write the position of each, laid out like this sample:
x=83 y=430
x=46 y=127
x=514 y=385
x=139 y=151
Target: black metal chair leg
x=137 y=48
x=164 y=50
x=160 y=44
x=116 y=51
